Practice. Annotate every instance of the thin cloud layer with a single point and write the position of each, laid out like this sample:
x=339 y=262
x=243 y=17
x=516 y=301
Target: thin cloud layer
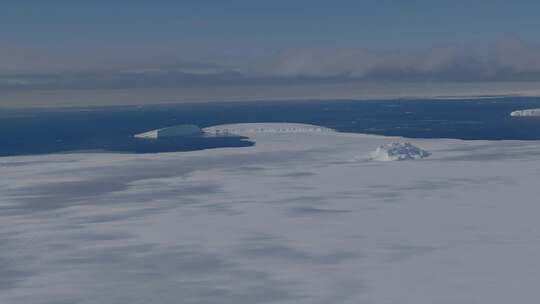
x=509 y=61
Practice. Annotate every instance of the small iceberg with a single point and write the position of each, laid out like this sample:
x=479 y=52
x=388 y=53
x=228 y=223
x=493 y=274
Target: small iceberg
x=526 y=113
x=174 y=131
x=398 y=151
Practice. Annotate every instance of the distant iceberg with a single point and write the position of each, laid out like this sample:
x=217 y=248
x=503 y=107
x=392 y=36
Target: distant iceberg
x=266 y=128
x=526 y=113
x=398 y=151
x=175 y=131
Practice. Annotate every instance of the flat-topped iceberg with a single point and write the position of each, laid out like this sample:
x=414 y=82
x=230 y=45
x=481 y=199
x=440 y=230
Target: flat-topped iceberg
x=174 y=131
x=526 y=113
x=257 y=128
x=398 y=151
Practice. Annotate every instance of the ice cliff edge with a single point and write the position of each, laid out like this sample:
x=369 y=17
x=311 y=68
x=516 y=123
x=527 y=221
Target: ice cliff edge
x=526 y=113
x=174 y=131
x=398 y=151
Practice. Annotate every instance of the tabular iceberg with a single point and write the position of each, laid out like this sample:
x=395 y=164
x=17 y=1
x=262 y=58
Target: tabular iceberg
x=398 y=151
x=526 y=113
x=266 y=128
x=175 y=131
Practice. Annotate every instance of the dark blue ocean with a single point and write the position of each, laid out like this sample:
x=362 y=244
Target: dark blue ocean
x=24 y=132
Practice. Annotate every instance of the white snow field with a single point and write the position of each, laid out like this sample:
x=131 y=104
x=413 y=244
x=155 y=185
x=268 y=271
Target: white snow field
x=289 y=220
x=526 y=113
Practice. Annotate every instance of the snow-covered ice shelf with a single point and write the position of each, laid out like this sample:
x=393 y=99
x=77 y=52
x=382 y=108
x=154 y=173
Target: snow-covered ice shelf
x=289 y=220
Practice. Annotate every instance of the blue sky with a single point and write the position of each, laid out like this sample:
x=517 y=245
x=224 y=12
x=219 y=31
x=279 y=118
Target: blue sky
x=270 y=24
x=85 y=44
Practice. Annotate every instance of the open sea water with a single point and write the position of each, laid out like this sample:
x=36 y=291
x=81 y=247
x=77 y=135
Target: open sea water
x=38 y=131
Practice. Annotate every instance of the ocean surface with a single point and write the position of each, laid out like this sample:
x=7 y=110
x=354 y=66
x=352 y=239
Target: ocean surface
x=38 y=131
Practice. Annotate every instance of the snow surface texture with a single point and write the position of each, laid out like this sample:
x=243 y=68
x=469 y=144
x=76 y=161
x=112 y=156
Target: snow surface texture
x=526 y=113
x=398 y=151
x=174 y=131
x=289 y=220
